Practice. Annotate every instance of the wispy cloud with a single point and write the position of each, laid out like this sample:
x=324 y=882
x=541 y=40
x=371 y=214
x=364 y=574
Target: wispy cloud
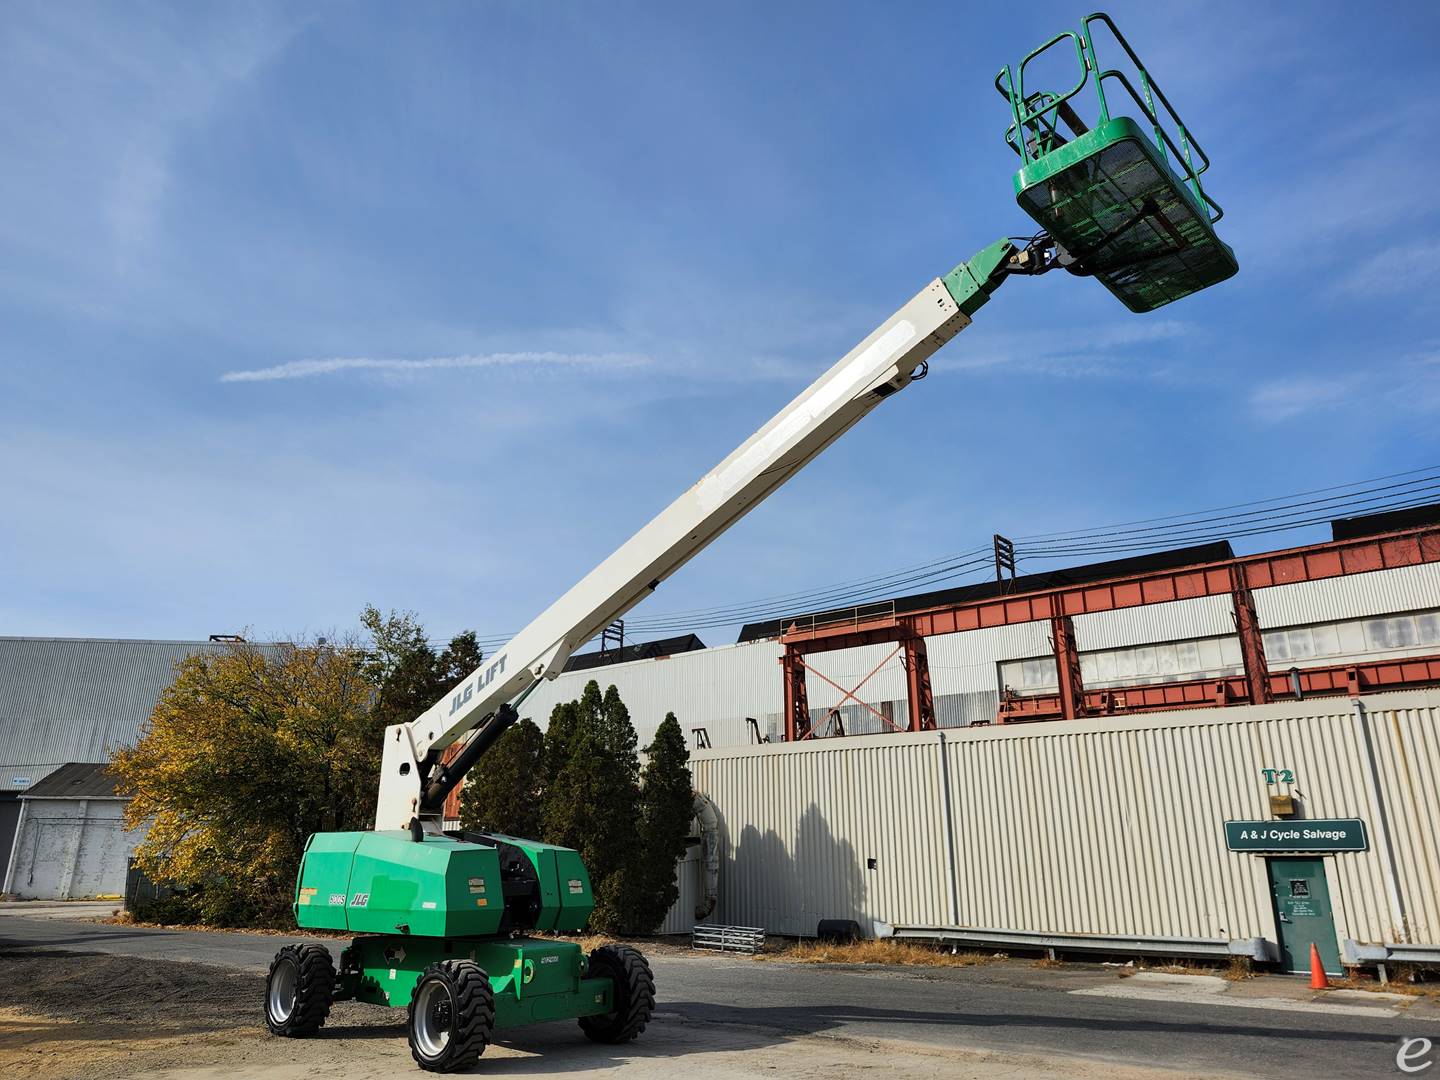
x=518 y=361
x=1408 y=270
x=1285 y=399
x=1404 y=385
x=1094 y=352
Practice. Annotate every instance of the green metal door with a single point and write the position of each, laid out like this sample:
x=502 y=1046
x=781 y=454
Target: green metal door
x=1302 y=914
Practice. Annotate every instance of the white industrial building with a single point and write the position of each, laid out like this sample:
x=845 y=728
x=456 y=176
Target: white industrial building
x=70 y=838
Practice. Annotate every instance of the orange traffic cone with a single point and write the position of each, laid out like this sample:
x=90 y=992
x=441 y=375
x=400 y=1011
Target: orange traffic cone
x=1317 y=970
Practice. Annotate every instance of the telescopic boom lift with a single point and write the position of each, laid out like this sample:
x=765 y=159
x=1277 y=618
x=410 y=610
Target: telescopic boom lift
x=440 y=915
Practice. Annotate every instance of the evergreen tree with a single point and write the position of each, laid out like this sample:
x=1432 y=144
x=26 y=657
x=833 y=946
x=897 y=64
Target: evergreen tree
x=564 y=721
x=502 y=793
x=592 y=800
x=666 y=809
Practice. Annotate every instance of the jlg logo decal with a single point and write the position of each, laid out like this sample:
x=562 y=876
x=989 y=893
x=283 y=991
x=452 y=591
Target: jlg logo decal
x=360 y=899
x=482 y=680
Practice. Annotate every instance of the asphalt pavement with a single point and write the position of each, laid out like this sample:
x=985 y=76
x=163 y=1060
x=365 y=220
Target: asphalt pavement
x=1072 y=1011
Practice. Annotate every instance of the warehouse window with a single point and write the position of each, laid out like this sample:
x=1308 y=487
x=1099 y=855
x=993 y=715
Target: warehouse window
x=1353 y=638
x=1033 y=675
x=1169 y=661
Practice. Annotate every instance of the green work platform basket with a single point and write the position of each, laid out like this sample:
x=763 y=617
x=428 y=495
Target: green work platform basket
x=1123 y=198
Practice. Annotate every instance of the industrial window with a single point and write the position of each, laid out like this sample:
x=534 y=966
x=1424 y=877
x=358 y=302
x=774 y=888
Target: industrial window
x=1034 y=675
x=1166 y=662
x=1351 y=638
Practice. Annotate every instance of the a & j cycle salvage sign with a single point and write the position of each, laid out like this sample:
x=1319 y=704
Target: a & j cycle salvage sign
x=1322 y=834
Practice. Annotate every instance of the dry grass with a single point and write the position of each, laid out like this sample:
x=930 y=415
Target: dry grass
x=1239 y=969
x=1175 y=969
x=1401 y=985
x=889 y=952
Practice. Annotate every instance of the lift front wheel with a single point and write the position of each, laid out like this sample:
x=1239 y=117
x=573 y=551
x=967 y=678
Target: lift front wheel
x=298 y=990
x=452 y=1015
x=634 y=994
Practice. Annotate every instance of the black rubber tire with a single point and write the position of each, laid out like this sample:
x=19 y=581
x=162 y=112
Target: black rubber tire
x=314 y=977
x=634 y=994
x=471 y=1020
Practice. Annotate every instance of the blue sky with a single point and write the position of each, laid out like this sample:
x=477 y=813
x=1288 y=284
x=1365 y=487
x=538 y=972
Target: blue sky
x=304 y=308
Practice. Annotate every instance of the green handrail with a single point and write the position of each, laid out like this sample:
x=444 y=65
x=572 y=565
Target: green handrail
x=1039 y=112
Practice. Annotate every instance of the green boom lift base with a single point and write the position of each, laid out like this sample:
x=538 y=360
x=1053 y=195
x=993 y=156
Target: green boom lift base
x=440 y=924
x=1109 y=195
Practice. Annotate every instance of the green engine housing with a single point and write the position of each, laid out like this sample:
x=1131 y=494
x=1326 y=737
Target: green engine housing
x=414 y=902
x=439 y=886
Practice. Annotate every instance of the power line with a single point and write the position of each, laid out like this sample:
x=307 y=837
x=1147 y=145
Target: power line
x=1258 y=502
x=1278 y=514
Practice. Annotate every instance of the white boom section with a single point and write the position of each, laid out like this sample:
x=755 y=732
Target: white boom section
x=881 y=364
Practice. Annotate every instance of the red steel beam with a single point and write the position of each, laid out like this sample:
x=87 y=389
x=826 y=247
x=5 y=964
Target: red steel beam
x=1312 y=563
x=1252 y=644
x=797 y=702
x=917 y=686
x=1067 y=667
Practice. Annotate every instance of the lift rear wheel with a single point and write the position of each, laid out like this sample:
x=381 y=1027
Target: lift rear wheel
x=452 y=1015
x=298 y=990
x=634 y=994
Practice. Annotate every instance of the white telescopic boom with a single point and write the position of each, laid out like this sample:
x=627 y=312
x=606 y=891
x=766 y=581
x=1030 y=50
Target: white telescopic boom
x=876 y=368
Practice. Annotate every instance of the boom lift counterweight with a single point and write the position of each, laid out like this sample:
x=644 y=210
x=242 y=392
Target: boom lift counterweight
x=440 y=918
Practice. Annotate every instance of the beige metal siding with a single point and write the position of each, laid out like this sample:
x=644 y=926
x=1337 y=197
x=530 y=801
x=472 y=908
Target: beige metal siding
x=689 y=871
x=799 y=822
x=1094 y=827
x=1406 y=737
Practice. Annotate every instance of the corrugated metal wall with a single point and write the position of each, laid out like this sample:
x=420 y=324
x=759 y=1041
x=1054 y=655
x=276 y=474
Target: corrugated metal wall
x=1095 y=827
x=688 y=873
x=1177 y=620
x=78 y=699
x=1403 y=588
x=712 y=688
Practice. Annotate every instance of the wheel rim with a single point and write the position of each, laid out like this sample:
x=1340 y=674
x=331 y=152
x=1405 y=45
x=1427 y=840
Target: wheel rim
x=434 y=1015
x=281 y=998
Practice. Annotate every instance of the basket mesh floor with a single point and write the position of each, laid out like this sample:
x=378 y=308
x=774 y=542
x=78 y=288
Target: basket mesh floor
x=1091 y=207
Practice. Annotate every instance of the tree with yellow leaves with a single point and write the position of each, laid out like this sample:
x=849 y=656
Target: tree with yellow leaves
x=247 y=753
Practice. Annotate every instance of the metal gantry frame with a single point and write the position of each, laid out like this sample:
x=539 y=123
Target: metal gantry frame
x=1236 y=577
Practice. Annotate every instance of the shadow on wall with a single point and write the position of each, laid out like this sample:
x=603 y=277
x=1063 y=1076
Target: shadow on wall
x=788 y=889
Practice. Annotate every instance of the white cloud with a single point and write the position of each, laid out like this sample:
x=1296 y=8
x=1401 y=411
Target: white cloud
x=518 y=361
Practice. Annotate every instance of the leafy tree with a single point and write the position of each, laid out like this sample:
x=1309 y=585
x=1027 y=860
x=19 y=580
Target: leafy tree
x=502 y=793
x=250 y=751
x=247 y=753
x=666 y=807
x=592 y=803
x=409 y=676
